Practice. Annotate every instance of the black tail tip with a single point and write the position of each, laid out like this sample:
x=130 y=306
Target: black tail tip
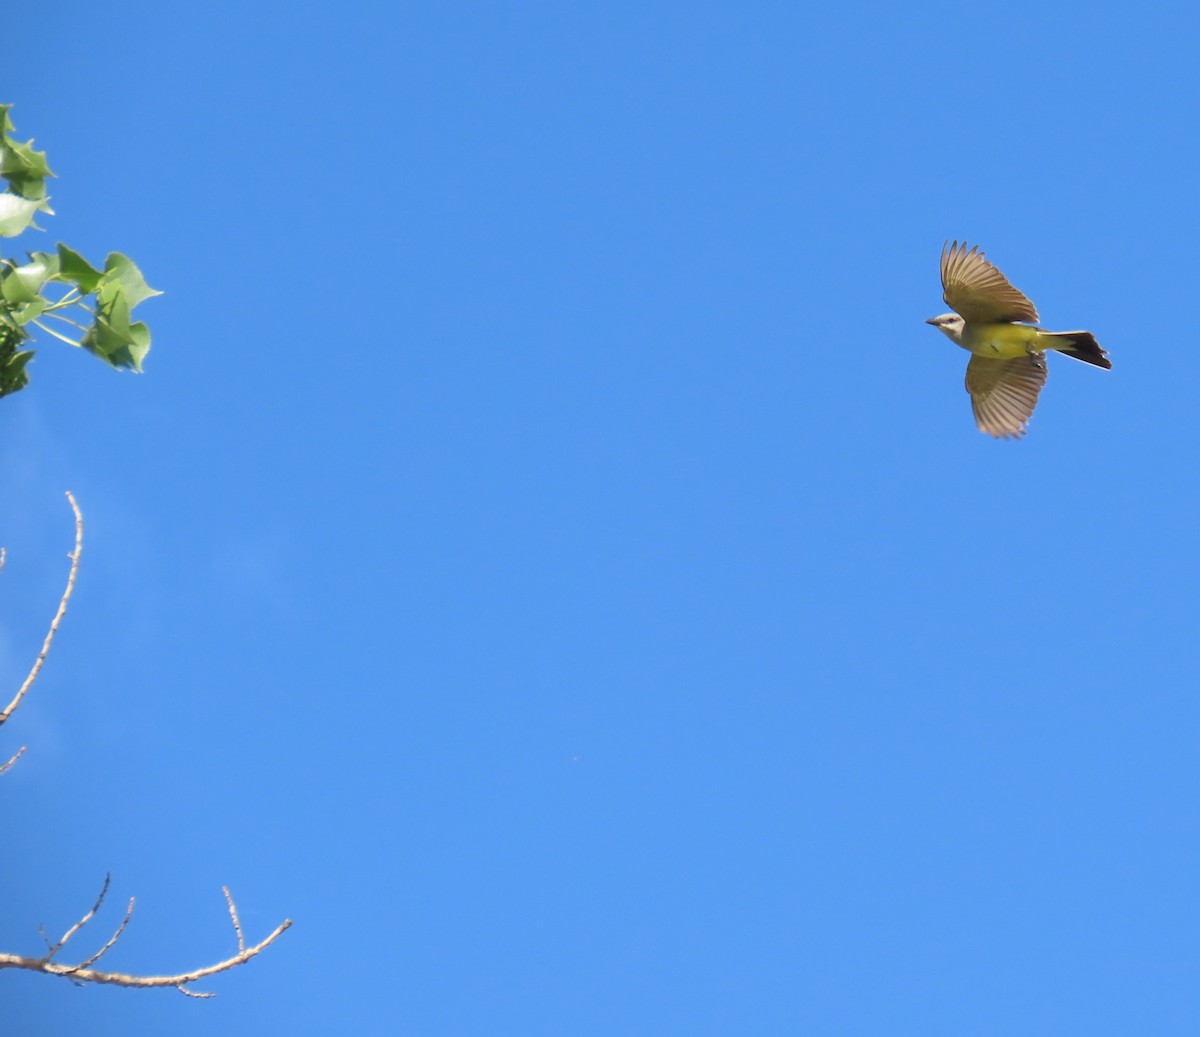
x=1082 y=345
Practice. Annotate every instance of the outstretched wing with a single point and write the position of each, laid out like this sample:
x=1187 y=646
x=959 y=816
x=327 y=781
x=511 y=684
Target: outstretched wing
x=974 y=288
x=1005 y=392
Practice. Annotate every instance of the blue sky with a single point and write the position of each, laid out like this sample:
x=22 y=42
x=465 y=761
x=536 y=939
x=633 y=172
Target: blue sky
x=549 y=558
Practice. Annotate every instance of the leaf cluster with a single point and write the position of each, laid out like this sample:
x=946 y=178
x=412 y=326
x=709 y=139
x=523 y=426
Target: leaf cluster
x=59 y=293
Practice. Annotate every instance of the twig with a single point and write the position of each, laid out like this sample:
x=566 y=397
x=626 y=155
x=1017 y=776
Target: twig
x=112 y=940
x=82 y=974
x=62 y=611
x=82 y=922
x=237 y=925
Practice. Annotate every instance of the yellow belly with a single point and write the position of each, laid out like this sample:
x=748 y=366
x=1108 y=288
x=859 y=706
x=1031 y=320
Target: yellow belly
x=1001 y=341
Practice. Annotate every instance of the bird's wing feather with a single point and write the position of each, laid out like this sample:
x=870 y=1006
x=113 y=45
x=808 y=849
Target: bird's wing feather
x=978 y=291
x=1005 y=392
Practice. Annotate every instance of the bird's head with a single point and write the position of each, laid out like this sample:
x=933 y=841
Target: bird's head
x=949 y=324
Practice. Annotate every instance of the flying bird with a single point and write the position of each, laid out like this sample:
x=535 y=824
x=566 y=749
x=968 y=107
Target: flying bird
x=998 y=325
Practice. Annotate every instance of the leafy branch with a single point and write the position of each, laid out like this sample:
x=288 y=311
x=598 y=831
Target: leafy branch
x=59 y=293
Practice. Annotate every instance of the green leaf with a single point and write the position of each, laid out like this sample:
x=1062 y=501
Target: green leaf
x=124 y=271
x=13 y=376
x=13 y=360
x=17 y=213
x=139 y=333
x=110 y=337
x=50 y=261
x=76 y=270
x=32 y=309
x=22 y=284
x=25 y=170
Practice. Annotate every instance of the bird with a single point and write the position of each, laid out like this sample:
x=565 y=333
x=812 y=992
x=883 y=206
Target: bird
x=999 y=326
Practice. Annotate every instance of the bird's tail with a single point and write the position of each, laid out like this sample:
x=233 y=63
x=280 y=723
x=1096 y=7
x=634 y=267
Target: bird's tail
x=1081 y=345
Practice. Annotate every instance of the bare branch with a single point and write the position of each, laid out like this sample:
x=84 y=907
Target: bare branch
x=62 y=611
x=82 y=922
x=112 y=940
x=81 y=973
x=237 y=925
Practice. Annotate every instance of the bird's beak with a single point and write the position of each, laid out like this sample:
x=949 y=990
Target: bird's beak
x=933 y=321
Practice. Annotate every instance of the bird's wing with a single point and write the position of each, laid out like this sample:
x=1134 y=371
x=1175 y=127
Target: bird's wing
x=1005 y=392
x=978 y=291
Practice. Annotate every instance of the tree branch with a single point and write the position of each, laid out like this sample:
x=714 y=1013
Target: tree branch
x=111 y=940
x=12 y=759
x=51 y=951
x=81 y=973
x=62 y=611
